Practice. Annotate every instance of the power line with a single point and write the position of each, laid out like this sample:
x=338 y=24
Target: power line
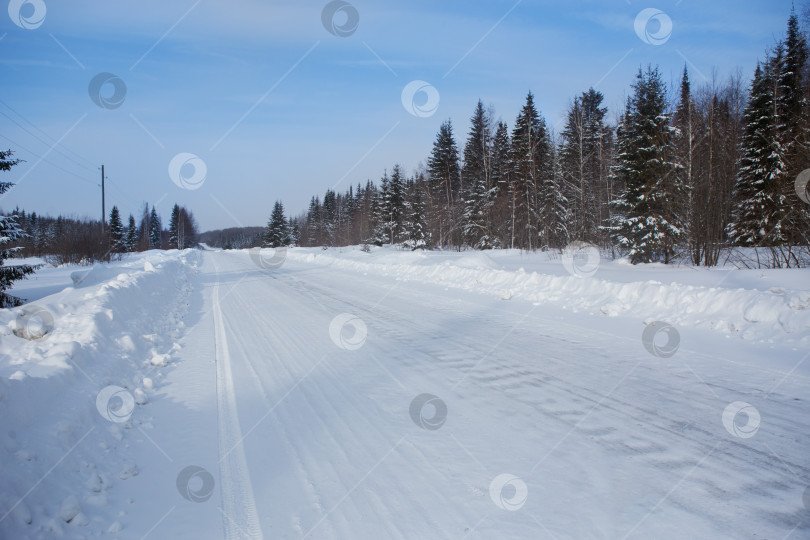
x=12 y=109
x=52 y=164
x=53 y=146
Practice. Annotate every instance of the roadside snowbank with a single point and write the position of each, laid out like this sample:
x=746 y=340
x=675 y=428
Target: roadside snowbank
x=772 y=305
x=115 y=327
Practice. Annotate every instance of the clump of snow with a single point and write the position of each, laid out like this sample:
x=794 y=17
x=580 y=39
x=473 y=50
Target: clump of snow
x=140 y=397
x=70 y=508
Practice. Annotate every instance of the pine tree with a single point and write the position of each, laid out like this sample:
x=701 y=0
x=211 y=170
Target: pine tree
x=132 y=234
x=117 y=238
x=276 y=234
x=9 y=232
x=651 y=227
x=445 y=181
x=155 y=230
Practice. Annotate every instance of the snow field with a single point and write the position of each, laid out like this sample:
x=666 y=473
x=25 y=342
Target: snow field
x=342 y=394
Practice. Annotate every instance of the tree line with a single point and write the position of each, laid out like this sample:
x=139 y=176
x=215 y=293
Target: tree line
x=73 y=240
x=680 y=178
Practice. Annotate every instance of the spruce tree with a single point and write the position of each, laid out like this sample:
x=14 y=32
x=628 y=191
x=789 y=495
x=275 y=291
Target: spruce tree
x=174 y=222
x=117 y=235
x=477 y=150
x=476 y=216
x=418 y=233
x=293 y=232
x=687 y=137
x=313 y=225
x=533 y=174
x=445 y=181
x=276 y=234
x=500 y=157
x=760 y=167
x=155 y=230
x=581 y=164
x=651 y=228
x=132 y=234
x=380 y=221
x=329 y=217
x=9 y=232
x=554 y=215
x=503 y=195
x=476 y=175
x=794 y=133
x=395 y=206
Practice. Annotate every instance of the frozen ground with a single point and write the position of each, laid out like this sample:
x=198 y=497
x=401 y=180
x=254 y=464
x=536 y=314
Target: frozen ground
x=342 y=394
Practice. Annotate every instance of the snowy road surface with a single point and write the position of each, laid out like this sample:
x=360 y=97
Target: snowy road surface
x=316 y=400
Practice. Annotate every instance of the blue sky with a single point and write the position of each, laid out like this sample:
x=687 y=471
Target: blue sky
x=277 y=107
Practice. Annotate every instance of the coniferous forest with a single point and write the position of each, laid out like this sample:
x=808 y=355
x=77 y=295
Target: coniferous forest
x=687 y=173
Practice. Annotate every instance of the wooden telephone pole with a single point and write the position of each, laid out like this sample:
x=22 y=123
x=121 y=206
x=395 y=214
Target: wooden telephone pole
x=103 y=209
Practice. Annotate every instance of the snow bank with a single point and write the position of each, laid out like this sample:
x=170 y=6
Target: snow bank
x=115 y=328
x=679 y=296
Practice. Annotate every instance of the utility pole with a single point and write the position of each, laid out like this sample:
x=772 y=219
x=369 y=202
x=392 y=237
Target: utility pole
x=103 y=210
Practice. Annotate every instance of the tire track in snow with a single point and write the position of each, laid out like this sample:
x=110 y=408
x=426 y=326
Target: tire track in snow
x=239 y=507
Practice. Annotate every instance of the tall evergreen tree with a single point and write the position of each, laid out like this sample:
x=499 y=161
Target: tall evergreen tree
x=293 y=231
x=313 y=225
x=155 y=230
x=582 y=156
x=532 y=157
x=651 y=227
x=380 y=215
x=689 y=134
x=276 y=233
x=478 y=149
x=117 y=235
x=329 y=215
x=132 y=234
x=395 y=211
x=476 y=177
x=174 y=221
x=794 y=137
x=503 y=195
x=416 y=226
x=445 y=181
x=760 y=167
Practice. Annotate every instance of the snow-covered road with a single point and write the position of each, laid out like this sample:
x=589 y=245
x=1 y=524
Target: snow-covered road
x=316 y=401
